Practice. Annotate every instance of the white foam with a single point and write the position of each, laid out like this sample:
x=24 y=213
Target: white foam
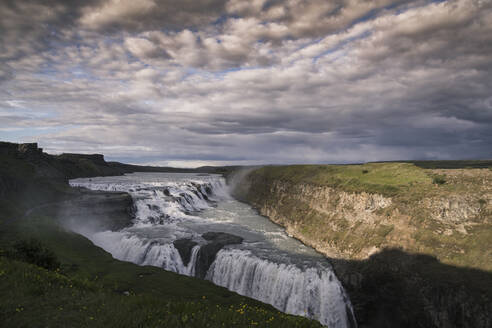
x=127 y=247
x=160 y=206
x=310 y=292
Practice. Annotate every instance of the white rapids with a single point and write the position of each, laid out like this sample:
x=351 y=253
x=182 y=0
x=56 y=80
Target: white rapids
x=268 y=265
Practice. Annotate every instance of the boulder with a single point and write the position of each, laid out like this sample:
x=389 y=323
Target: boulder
x=222 y=237
x=184 y=247
x=207 y=253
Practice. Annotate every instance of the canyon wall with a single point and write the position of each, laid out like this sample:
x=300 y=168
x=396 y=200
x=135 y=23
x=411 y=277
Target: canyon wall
x=424 y=240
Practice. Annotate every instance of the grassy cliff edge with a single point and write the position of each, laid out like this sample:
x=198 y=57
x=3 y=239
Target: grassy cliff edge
x=375 y=219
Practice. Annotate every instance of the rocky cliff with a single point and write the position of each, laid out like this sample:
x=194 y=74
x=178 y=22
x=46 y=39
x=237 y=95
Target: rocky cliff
x=452 y=221
x=354 y=214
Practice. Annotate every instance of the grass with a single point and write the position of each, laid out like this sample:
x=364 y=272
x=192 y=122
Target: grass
x=35 y=297
x=463 y=164
x=383 y=178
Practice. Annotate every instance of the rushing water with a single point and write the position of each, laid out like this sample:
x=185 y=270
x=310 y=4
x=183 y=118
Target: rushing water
x=268 y=265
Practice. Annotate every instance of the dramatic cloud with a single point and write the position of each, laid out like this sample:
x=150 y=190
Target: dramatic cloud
x=249 y=81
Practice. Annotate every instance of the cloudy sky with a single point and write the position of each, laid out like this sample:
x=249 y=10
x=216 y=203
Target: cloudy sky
x=195 y=82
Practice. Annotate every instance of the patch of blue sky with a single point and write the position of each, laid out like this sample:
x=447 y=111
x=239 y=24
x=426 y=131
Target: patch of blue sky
x=20 y=134
x=132 y=58
x=27 y=113
x=341 y=45
x=375 y=12
x=79 y=72
x=191 y=71
x=310 y=43
x=370 y=15
x=229 y=70
x=47 y=69
x=50 y=72
x=114 y=39
x=340 y=55
x=148 y=102
x=221 y=74
x=399 y=7
x=224 y=18
x=404 y=8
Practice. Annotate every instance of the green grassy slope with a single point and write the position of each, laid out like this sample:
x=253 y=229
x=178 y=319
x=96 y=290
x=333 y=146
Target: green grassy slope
x=383 y=178
x=35 y=297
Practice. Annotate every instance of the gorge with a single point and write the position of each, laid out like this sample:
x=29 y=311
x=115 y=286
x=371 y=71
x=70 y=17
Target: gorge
x=397 y=244
x=390 y=230
x=188 y=224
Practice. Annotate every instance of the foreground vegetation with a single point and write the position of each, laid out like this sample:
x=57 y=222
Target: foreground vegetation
x=51 y=277
x=35 y=297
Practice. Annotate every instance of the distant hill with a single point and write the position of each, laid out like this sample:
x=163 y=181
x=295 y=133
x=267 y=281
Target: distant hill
x=449 y=164
x=69 y=165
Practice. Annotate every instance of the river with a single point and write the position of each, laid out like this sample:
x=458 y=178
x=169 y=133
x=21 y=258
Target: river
x=176 y=216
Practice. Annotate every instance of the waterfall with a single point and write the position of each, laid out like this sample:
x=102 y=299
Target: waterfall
x=126 y=247
x=164 y=202
x=164 y=210
x=310 y=292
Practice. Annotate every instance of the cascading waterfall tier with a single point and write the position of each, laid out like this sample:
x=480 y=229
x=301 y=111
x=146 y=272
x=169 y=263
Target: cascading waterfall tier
x=171 y=207
x=309 y=292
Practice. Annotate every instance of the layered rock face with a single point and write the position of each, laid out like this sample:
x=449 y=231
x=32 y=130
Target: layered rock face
x=440 y=222
x=327 y=219
x=97 y=210
x=360 y=230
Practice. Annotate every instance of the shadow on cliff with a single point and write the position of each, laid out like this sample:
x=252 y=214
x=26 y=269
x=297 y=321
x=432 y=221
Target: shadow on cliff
x=397 y=289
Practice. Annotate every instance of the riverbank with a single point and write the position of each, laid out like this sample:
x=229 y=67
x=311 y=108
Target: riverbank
x=187 y=223
x=355 y=214
x=50 y=276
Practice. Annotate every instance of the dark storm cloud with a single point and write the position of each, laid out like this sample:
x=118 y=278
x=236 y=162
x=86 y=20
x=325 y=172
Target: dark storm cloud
x=28 y=26
x=249 y=80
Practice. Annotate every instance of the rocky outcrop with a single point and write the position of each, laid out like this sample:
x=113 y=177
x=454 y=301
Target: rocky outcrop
x=20 y=150
x=184 y=247
x=97 y=211
x=222 y=238
x=97 y=159
x=207 y=253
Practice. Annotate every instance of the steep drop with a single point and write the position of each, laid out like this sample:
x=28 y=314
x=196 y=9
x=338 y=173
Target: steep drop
x=221 y=240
